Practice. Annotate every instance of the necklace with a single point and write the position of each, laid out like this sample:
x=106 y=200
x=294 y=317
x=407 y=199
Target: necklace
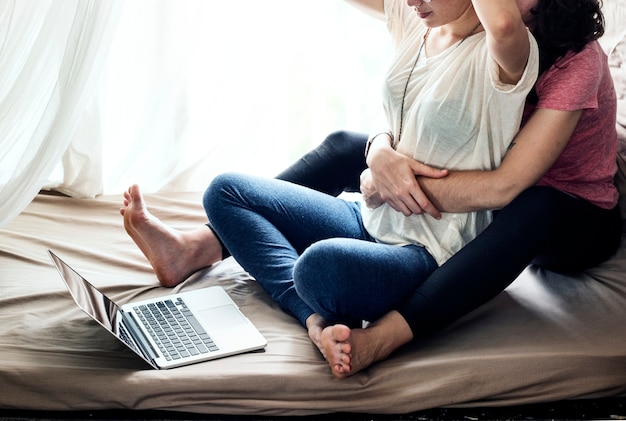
x=408 y=79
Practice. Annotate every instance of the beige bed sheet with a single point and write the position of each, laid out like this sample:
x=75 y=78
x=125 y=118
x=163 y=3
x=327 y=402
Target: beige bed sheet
x=547 y=337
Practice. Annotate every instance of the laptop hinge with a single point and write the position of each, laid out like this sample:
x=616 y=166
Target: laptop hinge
x=144 y=345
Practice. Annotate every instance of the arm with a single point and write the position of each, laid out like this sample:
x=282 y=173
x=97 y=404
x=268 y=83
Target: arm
x=507 y=36
x=391 y=179
x=535 y=149
x=375 y=8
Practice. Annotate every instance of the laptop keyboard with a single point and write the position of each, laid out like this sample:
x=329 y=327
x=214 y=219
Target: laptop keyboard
x=123 y=335
x=175 y=330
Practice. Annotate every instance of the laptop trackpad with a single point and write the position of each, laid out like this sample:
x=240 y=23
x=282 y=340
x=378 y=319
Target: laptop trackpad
x=221 y=318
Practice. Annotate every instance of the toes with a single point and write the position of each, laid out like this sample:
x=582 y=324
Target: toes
x=341 y=371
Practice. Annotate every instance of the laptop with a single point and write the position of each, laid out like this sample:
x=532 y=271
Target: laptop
x=172 y=330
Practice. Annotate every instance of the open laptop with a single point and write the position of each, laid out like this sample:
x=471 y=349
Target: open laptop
x=172 y=330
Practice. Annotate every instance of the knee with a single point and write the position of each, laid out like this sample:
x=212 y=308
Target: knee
x=318 y=279
x=307 y=271
x=344 y=144
x=220 y=188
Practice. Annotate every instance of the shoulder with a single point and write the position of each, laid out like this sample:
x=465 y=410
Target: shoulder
x=585 y=65
x=575 y=80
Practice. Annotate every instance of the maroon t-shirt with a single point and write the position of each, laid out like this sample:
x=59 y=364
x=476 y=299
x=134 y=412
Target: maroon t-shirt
x=587 y=165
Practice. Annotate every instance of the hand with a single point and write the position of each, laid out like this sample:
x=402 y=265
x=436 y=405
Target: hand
x=392 y=180
x=368 y=191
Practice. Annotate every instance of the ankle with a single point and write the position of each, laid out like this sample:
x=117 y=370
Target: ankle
x=203 y=246
x=391 y=332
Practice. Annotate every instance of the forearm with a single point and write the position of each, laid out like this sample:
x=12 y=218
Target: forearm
x=459 y=191
x=468 y=191
x=374 y=8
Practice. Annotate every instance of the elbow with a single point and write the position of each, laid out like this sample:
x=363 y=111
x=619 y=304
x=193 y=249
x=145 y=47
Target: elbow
x=504 y=192
x=506 y=28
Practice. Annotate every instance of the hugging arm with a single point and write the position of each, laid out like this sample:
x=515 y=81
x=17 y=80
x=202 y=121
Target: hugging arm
x=532 y=153
x=391 y=178
x=536 y=147
x=539 y=225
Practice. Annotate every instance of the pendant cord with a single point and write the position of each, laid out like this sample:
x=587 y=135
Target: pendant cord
x=408 y=79
x=406 y=86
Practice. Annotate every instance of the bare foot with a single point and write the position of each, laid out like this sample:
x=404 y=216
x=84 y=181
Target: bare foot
x=337 y=348
x=174 y=255
x=315 y=325
x=350 y=351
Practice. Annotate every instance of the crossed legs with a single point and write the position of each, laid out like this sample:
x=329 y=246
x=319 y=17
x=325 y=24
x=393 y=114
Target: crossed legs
x=542 y=226
x=348 y=351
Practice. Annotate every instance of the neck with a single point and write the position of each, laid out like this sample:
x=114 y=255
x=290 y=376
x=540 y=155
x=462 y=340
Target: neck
x=461 y=27
x=442 y=37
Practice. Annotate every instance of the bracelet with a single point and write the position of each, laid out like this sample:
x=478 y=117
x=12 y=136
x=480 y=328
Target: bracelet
x=371 y=140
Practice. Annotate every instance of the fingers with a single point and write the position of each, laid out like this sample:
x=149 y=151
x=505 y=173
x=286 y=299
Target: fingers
x=426 y=205
x=373 y=201
x=415 y=203
x=427 y=171
x=422 y=200
x=394 y=182
x=410 y=200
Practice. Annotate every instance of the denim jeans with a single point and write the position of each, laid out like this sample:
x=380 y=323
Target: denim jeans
x=309 y=250
x=542 y=226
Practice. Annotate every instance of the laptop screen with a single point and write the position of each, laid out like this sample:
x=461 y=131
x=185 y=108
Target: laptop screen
x=88 y=298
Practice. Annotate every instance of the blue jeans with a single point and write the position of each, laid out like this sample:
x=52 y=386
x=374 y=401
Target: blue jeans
x=541 y=226
x=309 y=250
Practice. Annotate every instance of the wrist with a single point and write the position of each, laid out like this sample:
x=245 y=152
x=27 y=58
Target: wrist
x=377 y=138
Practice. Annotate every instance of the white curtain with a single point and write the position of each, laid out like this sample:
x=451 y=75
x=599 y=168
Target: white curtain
x=51 y=53
x=169 y=93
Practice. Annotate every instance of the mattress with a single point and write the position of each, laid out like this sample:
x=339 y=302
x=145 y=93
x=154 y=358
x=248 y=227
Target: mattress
x=548 y=337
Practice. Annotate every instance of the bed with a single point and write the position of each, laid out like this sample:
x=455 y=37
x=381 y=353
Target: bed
x=548 y=337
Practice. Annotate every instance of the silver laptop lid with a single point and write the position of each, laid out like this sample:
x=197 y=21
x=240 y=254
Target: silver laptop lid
x=97 y=305
x=93 y=302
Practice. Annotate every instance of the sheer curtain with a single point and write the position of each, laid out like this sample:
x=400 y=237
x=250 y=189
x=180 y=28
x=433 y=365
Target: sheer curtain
x=197 y=87
x=169 y=93
x=51 y=53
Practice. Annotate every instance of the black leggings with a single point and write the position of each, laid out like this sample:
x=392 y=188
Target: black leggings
x=542 y=226
x=335 y=166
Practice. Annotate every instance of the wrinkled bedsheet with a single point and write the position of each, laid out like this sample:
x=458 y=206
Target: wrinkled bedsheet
x=547 y=337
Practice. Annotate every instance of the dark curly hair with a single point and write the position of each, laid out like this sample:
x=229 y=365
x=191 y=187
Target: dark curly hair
x=561 y=26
